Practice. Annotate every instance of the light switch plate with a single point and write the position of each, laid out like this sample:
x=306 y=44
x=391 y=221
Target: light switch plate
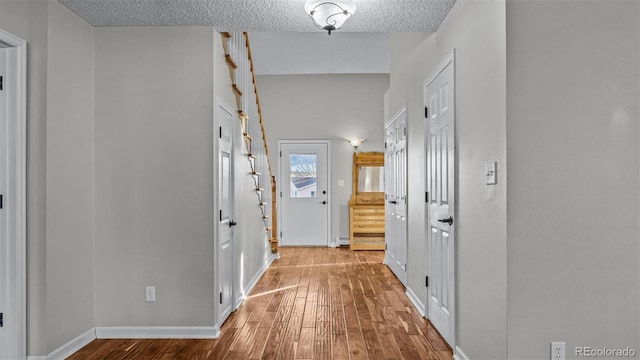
x=340 y=183
x=491 y=172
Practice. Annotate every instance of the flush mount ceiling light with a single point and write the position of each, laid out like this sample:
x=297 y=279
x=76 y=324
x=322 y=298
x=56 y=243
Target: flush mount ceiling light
x=329 y=15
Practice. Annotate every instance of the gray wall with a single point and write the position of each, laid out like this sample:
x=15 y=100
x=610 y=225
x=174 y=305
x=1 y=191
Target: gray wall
x=59 y=170
x=70 y=166
x=331 y=107
x=573 y=150
x=477 y=31
x=154 y=176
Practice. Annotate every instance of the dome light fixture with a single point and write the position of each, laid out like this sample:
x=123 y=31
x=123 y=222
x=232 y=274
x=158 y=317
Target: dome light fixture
x=329 y=15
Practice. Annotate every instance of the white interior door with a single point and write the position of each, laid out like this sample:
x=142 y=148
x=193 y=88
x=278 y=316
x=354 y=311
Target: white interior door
x=396 y=196
x=440 y=140
x=304 y=193
x=225 y=213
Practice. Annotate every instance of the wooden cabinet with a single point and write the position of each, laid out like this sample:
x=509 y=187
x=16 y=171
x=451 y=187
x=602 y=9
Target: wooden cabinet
x=366 y=208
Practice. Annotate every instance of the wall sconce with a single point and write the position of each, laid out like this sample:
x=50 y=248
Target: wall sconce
x=329 y=15
x=355 y=142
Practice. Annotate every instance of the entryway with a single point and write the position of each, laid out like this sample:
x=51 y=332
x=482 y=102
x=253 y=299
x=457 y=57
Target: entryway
x=304 y=192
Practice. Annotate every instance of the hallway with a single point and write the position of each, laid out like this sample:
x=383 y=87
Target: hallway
x=313 y=303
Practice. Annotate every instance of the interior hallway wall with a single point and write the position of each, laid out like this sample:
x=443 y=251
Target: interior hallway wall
x=574 y=186
x=476 y=30
x=331 y=107
x=59 y=170
x=154 y=176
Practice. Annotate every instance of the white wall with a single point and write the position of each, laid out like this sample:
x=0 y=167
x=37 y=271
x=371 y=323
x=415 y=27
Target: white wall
x=331 y=107
x=573 y=199
x=69 y=201
x=154 y=176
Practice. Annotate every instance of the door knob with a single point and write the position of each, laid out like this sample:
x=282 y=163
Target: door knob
x=325 y=192
x=448 y=220
x=393 y=202
x=232 y=223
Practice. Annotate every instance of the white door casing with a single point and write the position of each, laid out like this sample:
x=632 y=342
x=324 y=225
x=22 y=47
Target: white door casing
x=396 y=195
x=225 y=212
x=304 y=193
x=13 y=189
x=441 y=162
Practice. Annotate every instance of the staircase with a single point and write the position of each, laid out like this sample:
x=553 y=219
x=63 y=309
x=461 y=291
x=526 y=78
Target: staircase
x=240 y=62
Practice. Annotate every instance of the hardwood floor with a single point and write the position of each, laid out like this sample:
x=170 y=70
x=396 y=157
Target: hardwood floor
x=313 y=303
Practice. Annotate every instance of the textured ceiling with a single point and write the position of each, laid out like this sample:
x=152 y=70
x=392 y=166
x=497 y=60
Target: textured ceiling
x=318 y=53
x=260 y=15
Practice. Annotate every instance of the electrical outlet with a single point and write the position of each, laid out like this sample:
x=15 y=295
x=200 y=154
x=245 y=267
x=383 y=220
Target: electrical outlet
x=558 y=351
x=150 y=292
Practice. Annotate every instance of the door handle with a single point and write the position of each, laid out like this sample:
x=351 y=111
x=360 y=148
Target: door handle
x=324 y=202
x=448 y=220
x=393 y=202
x=232 y=223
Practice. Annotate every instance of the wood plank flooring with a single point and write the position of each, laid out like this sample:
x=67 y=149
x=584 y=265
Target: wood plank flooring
x=313 y=303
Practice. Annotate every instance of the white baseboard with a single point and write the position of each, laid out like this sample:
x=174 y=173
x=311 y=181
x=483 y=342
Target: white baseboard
x=459 y=355
x=157 y=332
x=416 y=302
x=72 y=346
x=36 y=358
x=255 y=280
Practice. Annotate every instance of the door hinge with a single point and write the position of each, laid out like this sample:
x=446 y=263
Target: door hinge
x=280 y=234
x=426 y=281
x=280 y=153
x=385 y=145
x=385 y=247
x=220 y=214
x=426 y=112
x=426 y=196
x=1 y=201
x=1 y=82
x=220 y=132
x=280 y=193
x=220 y=297
x=1 y=320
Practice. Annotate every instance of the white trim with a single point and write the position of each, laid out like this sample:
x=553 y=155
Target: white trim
x=449 y=58
x=18 y=101
x=416 y=302
x=254 y=281
x=157 y=332
x=36 y=358
x=73 y=346
x=459 y=355
x=329 y=181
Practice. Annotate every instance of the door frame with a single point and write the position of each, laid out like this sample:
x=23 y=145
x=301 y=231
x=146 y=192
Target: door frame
x=17 y=156
x=450 y=58
x=220 y=104
x=280 y=183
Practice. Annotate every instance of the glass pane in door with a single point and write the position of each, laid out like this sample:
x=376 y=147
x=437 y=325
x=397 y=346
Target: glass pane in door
x=304 y=178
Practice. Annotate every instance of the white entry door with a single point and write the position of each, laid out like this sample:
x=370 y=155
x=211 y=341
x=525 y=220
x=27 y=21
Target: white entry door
x=441 y=160
x=396 y=196
x=304 y=193
x=225 y=212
